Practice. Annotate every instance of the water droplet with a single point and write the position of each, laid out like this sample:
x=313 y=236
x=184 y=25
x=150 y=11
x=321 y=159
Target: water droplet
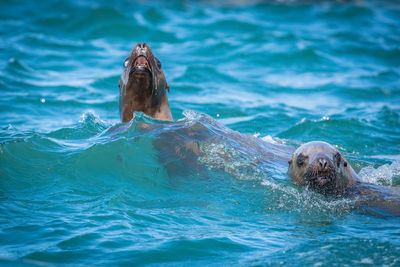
x=43 y=100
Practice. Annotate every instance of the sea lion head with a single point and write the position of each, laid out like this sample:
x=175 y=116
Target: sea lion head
x=321 y=167
x=142 y=85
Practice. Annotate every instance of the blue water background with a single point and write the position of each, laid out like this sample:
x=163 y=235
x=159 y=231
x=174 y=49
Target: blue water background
x=78 y=187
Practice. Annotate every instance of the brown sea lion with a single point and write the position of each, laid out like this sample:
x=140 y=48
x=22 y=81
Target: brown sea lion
x=143 y=86
x=320 y=167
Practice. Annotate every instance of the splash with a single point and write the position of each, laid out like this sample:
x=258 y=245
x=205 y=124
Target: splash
x=299 y=200
x=388 y=175
x=225 y=157
x=272 y=140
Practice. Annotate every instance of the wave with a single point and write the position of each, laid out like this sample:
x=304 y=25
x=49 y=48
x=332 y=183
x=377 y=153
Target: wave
x=145 y=152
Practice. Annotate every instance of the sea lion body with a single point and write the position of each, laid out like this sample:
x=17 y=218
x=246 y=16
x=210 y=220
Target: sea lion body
x=143 y=86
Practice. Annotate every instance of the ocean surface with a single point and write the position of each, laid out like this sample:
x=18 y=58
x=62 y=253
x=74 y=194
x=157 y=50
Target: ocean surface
x=78 y=187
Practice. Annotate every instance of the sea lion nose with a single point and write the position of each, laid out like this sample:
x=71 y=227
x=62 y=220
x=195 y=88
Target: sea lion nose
x=141 y=48
x=323 y=164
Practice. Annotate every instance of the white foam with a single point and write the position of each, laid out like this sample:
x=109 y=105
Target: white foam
x=271 y=139
x=89 y=114
x=383 y=175
x=366 y=261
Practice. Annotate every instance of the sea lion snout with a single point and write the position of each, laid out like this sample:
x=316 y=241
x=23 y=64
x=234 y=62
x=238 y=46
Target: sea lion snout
x=320 y=173
x=322 y=163
x=140 y=60
x=141 y=49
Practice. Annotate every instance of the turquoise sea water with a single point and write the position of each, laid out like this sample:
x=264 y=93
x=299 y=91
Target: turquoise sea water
x=78 y=187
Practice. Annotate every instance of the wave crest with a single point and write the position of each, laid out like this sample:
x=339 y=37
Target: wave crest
x=388 y=175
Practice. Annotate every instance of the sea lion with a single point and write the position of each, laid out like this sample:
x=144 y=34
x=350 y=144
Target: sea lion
x=320 y=166
x=143 y=86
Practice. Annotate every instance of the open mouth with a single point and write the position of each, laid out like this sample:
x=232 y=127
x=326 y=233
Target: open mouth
x=141 y=64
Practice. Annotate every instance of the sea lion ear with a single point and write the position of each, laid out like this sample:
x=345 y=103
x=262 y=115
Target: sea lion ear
x=290 y=161
x=167 y=86
x=301 y=158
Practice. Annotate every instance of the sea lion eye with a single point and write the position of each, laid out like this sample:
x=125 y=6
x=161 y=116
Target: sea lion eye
x=338 y=158
x=126 y=62
x=158 y=62
x=301 y=158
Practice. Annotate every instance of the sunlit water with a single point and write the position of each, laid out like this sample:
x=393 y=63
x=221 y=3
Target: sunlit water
x=79 y=187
